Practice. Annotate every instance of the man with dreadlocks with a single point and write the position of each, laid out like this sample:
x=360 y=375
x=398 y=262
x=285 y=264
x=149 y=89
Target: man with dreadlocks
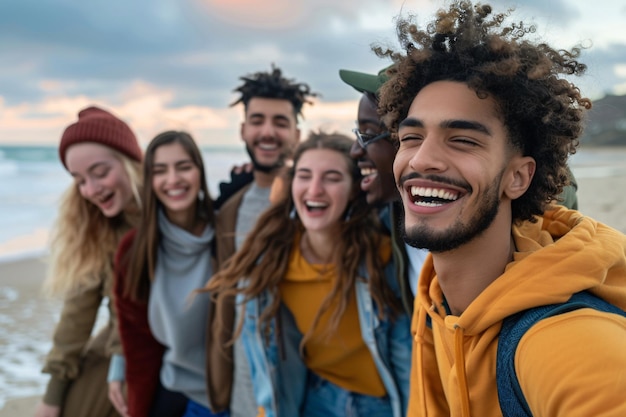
x=485 y=122
x=270 y=132
x=272 y=105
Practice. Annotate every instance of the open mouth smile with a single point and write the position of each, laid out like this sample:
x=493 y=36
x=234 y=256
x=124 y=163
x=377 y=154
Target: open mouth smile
x=432 y=197
x=176 y=192
x=315 y=205
x=367 y=171
x=265 y=146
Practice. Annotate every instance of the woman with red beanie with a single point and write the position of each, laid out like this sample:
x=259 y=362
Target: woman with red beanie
x=103 y=156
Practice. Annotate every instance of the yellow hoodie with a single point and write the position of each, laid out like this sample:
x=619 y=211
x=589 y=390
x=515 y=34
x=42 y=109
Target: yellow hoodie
x=573 y=364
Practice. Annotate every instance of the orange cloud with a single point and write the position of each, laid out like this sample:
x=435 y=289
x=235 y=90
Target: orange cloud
x=269 y=14
x=148 y=110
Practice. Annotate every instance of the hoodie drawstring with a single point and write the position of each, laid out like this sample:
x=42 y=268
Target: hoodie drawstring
x=418 y=344
x=459 y=358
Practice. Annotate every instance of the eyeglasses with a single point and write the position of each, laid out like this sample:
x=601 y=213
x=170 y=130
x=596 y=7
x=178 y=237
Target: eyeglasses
x=366 y=139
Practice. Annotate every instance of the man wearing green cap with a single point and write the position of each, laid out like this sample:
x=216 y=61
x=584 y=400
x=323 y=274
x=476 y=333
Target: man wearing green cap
x=375 y=153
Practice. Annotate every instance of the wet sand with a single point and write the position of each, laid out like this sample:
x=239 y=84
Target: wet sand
x=28 y=320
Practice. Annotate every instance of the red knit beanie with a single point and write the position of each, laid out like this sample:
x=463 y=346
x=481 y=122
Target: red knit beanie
x=100 y=126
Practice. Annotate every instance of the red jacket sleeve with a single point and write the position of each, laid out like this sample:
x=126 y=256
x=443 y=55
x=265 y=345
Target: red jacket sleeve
x=142 y=351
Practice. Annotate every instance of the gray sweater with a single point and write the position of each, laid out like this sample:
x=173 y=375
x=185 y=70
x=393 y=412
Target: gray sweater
x=177 y=317
x=255 y=201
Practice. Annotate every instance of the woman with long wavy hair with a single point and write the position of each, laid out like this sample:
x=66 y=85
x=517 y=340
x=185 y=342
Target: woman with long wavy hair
x=317 y=305
x=103 y=156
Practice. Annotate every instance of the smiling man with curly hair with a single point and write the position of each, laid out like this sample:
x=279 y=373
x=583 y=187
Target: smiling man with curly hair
x=485 y=120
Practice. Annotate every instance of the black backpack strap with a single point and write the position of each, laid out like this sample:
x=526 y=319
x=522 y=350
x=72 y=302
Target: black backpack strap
x=510 y=396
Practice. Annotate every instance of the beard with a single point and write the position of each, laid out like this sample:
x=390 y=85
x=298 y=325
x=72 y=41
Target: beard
x=460 y=232
x=262 y=167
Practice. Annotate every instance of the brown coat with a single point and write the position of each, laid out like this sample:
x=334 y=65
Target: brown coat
x=227 y=221
x=219 y=351
x=72 y=344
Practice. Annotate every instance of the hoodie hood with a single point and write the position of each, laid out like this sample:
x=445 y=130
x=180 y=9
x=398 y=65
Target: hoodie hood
x=561 y=254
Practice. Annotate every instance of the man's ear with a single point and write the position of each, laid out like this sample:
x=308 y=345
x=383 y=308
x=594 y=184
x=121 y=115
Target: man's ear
x=521 y=172
x=241 y=128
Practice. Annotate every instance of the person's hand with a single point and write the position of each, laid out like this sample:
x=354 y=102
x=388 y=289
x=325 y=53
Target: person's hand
x=240 y=176
x=243 y=168
x=279 y=190
x=45 y=410
x=117 y=398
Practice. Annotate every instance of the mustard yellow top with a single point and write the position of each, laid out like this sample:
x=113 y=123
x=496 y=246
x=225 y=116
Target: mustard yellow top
x=341 y=357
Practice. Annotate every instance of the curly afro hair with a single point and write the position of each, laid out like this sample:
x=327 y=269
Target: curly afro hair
x=273 y=85
x=542 y=111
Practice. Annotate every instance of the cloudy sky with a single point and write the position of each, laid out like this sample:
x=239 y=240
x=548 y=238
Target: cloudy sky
x=162 y=64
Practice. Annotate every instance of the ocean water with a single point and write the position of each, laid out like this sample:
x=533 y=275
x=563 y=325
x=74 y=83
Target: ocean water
x=32 y=180
x=599 y=162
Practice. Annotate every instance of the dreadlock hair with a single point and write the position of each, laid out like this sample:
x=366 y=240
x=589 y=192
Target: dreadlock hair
x=542 y=111
x=274 y=85
x=262 y=261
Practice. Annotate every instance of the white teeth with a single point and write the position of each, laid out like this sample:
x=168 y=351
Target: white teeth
x=268 y=146
x=175 y=193
x=316 y=204
x=368 y=171
x=427 y=204
x=434 y=192
x=105 y=198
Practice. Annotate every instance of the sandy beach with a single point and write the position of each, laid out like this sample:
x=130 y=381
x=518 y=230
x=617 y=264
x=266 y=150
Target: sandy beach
x=27 y=321
x=32 y=317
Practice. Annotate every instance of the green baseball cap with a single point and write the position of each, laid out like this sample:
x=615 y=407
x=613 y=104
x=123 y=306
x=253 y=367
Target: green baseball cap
x=363 y=82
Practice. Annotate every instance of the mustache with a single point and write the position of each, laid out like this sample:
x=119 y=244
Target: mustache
x=434 y=178
x=268 y=168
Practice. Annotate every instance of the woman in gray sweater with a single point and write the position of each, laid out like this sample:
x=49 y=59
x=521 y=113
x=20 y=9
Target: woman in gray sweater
x=159 y=266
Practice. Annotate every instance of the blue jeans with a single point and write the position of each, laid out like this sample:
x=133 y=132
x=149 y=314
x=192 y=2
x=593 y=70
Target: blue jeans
x=168 y=403
x=323 y=398
x=198 y=410
x=174 y=404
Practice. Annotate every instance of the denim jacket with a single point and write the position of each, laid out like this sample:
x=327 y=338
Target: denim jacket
x=279 y=374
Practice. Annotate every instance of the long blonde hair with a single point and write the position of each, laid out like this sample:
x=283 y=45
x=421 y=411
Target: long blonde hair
x=84 y=241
